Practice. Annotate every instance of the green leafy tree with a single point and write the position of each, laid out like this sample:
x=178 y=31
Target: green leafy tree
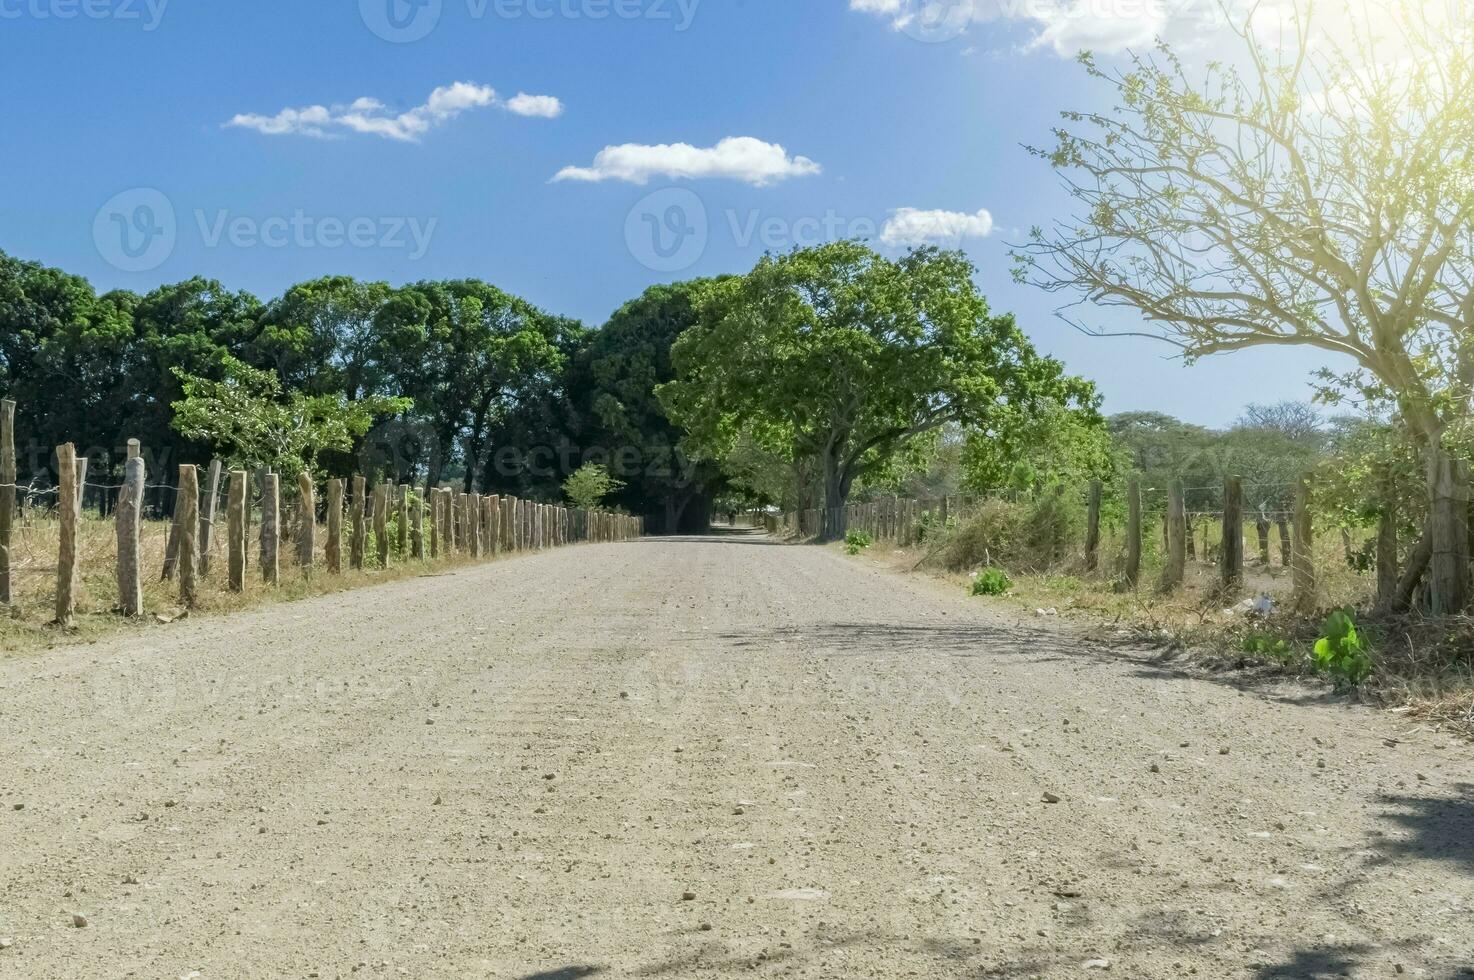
x=589 y=486
x=250 y=422
x=837 y=355
x=615 y=380
x=1323 y=197
x=469 y=354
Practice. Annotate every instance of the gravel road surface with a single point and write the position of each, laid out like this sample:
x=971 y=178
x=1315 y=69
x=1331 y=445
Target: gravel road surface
x=705 y=758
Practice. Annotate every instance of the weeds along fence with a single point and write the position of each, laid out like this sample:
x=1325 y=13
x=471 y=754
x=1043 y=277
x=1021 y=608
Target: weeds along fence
x=1231 y=527
x=235 y=526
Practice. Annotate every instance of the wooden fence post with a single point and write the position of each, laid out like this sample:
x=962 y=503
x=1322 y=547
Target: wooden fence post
x=1176 y=568
x=208 y=515
x=356 y=518
x=7 y=494
x=1300 y=550
x=188 y=506
x=1261 y=526
x=66 y=509
x=403 y=521
x=473 y=518
x=235 y=508
x=1133 y=532
x=1092 y=527
x=494 y=524
x=381 y=523
x=1231 y=551
x=432 y=502
x=270 y=528
x=1286 y=551
x=129 y=515
x=417 y=527
x=334 y=550
x=307 y=522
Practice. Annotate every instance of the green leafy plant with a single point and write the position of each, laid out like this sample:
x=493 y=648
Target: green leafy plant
x=1267 y=646
x=589 y=485
x=856 y=541
x=991 y=581
x=1341 y=653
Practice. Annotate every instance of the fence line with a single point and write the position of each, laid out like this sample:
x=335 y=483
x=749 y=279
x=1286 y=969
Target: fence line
x=465 y=525
x=905 y=521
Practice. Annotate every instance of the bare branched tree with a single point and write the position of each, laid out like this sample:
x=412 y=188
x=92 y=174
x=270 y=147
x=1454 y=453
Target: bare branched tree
x=1319 y=193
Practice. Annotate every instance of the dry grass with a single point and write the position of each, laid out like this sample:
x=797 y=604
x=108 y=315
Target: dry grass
x=1424 y=667
x=26 y=624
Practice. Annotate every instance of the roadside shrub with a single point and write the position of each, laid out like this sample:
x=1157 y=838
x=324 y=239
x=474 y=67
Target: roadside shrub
x=1268 y=647
x=856 y=541
x=1340 y=652
x=931 y=525
x=1052 y=524
x=991 y=581
x=990 y=536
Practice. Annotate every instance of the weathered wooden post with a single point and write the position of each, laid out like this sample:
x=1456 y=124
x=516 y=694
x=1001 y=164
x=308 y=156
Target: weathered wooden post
x=208 y=515
x=381 y=523
x=307 y=521
x=66 y=510
x=1261 y=526
x=1176 y=568
x=129 y=516
x=403 y=521
x=7 y=495
x=494 y=523
x=1092 y=527
x=1286 y=550
x=473 y=518
x=358 y=530
x=1231 y=553
x=188 y=507
x=270 y=528
x=432 y=504
x=417 y=527
x=1133 y=532
x=235 y=509
x=334 y=549
x=1300 y=549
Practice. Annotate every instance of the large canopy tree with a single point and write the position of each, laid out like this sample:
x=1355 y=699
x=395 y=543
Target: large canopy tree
x=838 y=355
x=467 y=353
x=614 y=380
x=1319 y=194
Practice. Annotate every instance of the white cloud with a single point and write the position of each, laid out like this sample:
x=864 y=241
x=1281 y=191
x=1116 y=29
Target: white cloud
x=371 y=117
x=743 y=158
x=909 y=226
x=1065 y=27
x=543 y=106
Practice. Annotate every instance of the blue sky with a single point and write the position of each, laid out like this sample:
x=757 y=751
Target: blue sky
x=405 y=158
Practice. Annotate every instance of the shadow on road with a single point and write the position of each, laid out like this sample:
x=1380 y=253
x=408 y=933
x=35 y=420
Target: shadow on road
x=1015 y=640
x=1437 y=828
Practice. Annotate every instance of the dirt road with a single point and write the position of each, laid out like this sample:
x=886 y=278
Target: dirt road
x=703 y=758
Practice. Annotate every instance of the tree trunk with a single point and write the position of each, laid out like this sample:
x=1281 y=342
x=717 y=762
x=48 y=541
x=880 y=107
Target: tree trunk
x=1448 y=487
x=836 y=492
